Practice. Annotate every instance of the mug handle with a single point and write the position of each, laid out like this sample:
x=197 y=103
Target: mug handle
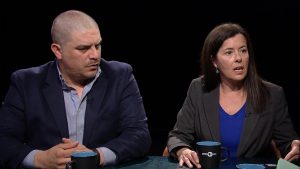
x=69 y=165
x=227 y=154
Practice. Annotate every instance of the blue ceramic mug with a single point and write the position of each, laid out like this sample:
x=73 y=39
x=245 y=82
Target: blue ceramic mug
x=83 y=160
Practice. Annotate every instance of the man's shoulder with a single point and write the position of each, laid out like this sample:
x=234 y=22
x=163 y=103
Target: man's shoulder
x=113 y=66
x=34 y=71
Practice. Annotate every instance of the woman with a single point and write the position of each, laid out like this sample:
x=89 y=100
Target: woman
x=231 y=104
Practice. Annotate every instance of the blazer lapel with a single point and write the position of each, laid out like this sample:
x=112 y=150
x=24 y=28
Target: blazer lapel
x=54 y=96
x=250 y=121
x=211 y=110
x=93 y=106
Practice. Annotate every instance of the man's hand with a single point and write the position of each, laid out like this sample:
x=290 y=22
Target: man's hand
x=79 y=148
x=58 y=156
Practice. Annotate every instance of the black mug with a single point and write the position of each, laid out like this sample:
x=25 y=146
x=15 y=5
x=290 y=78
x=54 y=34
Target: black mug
x=209 y=153
x=83 y=160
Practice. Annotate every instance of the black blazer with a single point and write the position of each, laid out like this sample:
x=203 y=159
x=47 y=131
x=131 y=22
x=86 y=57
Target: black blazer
x=198 y=120
x=33 y=113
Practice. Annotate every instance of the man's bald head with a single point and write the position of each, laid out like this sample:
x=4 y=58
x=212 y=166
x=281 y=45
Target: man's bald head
x=67 y=22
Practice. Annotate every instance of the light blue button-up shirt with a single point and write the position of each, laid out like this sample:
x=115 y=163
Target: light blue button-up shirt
x=75 y=111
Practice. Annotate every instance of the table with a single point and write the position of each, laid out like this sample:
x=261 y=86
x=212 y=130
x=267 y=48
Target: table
x=160 y=162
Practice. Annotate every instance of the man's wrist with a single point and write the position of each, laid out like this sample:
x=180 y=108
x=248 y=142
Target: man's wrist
x=38 y=159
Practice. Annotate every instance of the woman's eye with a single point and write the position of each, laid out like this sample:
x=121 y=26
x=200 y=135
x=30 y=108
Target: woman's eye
x=228 y=53
x=244 y=51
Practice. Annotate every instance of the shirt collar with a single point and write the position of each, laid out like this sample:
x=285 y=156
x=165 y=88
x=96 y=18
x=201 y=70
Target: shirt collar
x=63 y=83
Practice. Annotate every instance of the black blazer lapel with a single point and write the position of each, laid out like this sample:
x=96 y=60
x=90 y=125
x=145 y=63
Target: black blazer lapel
x=250 y=121
x=93 y=106
x=211 y=110
x=54 y=96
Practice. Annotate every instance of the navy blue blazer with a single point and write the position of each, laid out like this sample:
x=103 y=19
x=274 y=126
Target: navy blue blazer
x=33 y=113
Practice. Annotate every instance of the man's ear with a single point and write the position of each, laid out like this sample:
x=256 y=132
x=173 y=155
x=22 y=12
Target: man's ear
x=56 y=49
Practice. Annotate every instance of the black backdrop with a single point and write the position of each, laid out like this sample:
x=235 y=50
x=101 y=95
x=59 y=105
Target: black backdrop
x=162 y=41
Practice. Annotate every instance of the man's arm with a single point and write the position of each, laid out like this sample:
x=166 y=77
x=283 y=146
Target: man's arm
x=134 y=139
x=12 y=126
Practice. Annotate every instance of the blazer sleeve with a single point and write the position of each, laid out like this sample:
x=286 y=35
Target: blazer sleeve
x=134 y=140
x=12 y=125
x=283 y=132
x=183 y=132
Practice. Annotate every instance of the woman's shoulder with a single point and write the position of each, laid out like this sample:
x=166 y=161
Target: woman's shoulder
x=271 y=85
x=197 y=80
x=197 y=85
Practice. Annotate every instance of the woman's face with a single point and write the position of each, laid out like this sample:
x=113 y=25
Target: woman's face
x=232 y=59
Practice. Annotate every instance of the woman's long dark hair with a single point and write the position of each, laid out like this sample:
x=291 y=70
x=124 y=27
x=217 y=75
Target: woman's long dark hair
x=256 y=91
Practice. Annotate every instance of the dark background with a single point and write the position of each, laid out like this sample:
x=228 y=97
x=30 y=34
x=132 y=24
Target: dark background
x=162 y=41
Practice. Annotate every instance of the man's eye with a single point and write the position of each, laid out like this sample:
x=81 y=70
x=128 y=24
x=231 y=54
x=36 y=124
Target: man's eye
x=98 y=46
x=83 y=49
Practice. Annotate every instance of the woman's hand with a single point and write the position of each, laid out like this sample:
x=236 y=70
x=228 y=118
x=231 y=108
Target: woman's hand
x=188 y=157
x=294 y=154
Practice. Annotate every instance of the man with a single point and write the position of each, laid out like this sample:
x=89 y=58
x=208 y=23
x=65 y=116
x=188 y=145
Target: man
x=74 y=103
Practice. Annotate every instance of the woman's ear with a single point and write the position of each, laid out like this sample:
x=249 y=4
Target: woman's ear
x=213 y=61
